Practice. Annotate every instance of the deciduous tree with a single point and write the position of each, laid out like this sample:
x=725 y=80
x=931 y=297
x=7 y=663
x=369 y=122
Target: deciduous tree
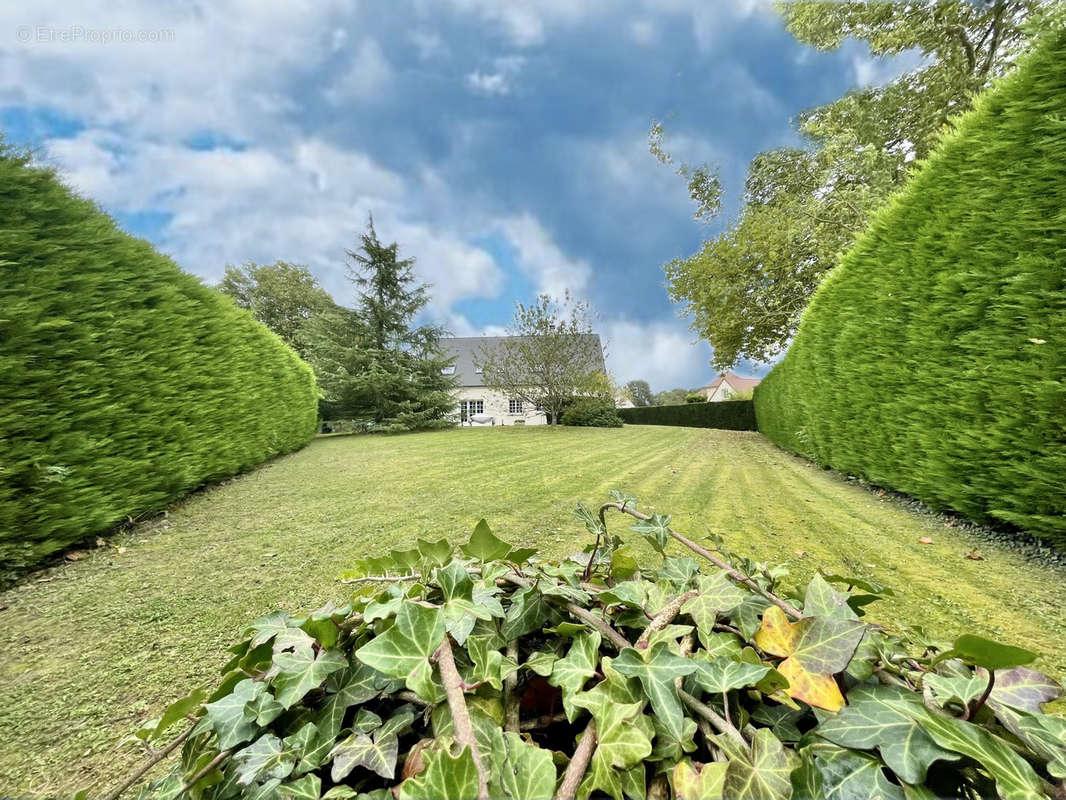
x=639 y=393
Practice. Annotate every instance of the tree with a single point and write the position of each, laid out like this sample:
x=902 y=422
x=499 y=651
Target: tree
x=671 y=397
x=373 y=363
x=804 y=206
x=550 y=356
x=281 y=295
x=639 y=393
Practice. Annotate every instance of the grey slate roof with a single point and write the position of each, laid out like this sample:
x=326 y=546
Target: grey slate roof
x=465 y=348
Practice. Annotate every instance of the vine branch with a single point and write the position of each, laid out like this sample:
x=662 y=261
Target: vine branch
x=151 y=762
x=575 y=770
x=464 y=728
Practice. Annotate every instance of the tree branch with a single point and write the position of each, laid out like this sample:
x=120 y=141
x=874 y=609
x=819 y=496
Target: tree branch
x=511 y=709
x=464 y=728
x=664 y=618
x=575 y=770
x=207 y=768
x=155 y=759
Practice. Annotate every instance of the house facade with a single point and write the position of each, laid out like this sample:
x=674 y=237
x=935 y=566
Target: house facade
x=479 y=405
x=728 y=386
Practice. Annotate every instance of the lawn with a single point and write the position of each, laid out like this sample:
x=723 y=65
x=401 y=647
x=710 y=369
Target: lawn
x=94 y=647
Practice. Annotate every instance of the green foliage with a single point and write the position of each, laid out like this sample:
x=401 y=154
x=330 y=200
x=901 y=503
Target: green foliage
x=929 y=362
x=281 y=295
x=695 y=397
x=733 y=415
x=592 y=412
x=375 y=366
x=126 y=382
x=640 y=393
x=677 y=713
x=804 y=206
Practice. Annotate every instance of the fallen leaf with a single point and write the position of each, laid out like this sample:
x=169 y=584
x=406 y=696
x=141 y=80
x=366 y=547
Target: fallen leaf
x=925 y=540
x=100 y=542
x=121 y=550
x=1038 y=341
x=975 y=556
x=801 y=554
x=75 y=555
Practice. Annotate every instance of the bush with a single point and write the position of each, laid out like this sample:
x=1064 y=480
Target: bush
x=931 y=360
x=126 y=382
x=731 y=415
x=481 y=674
x=695 y=397
x=592 y=412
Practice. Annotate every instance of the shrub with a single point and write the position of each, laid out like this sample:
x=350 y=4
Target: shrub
x=592 y=412
x=732 y=415
x=126 y=382
x=492 y=673
x=695 y=397
x=932 y=361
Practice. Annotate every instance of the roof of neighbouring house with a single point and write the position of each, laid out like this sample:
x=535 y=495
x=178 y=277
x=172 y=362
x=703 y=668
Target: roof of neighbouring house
x=467 y=348
x=738 y=383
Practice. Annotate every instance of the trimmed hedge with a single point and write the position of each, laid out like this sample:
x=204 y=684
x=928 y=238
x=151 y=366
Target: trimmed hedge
x=933 y=359
x=592 y=412
x=126 y=382
x=730 y=415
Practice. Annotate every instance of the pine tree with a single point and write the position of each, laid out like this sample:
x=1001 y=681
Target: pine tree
x=373 y=363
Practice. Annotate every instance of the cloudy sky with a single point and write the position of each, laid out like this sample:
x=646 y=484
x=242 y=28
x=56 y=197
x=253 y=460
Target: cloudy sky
x=503 y=143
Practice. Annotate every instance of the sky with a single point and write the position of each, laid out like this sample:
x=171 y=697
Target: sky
x=501 y=143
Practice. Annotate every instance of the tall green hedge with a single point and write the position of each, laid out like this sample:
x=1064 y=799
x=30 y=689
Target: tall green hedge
x=933 y=359
x=730 y=415
x=125 y=381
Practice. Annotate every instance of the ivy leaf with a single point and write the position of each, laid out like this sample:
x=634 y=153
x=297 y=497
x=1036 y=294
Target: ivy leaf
x=762 y=774
x=490 y=665
x=360 y=750
x=1014 y=777
x=748 y=615
x=846 y=774
x=263 y=759
x=1046 y=735
x=266 y=628
x=303 y=670
x=667 y=747
x=698 y=783
x=631 y=594
x=679 y=571
x=179 y=709
x=571 y=673
x=227 y=718
x=718 y=595
x=323 y=623
x=484 y=546
x=361 y=684
x=815 y=649
x=403 y=651
x=955 y=689
x=454 y=582
x=870 y=720
x=1022 y=688
x=986 y=653
x=445 y=777
x=624 y=736
x=656 y=669
x=526 y=772
x=656 y=530
x=624 y=564
x=822 y=600
x=723 y=674
x=437 y=553
x=541 y=663
x=309 y=787
x=529 y=611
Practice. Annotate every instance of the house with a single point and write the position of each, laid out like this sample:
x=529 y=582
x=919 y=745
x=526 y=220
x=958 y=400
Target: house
x=728 y=386
x=481 y=406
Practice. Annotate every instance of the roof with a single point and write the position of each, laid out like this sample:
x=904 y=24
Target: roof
x=466 y=348
x=736 y=382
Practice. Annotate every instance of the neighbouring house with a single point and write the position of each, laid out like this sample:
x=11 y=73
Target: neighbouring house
x=728 y=386
x=479 y=405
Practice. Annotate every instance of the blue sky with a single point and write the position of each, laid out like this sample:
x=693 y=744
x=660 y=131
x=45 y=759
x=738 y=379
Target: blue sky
x=502 y=143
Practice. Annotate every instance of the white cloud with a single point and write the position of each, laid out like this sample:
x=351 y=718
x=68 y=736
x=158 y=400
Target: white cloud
x=662 y=353
x=541 y=259
x=366 y=75
x=497 y=82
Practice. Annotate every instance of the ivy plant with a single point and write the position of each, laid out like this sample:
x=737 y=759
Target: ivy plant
x=489 y=672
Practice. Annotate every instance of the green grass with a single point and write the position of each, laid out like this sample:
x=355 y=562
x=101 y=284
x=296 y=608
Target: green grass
x=107 y=641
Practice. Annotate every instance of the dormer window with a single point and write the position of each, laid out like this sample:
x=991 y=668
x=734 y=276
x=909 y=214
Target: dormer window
x=477 y=370
x=447 y=371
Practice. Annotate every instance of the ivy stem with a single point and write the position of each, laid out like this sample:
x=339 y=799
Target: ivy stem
x=210 y=766
x=984 y=697
x=730 y=570
x=719 y=723
x=151 y=762
x=575 y=770
x=464 y=729
x=511 y=714
x=664 y=618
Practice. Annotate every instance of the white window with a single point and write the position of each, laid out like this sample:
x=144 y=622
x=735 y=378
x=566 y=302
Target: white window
x=514 y=406
x=477 y=370
x=447 y=371
x=471 y=407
